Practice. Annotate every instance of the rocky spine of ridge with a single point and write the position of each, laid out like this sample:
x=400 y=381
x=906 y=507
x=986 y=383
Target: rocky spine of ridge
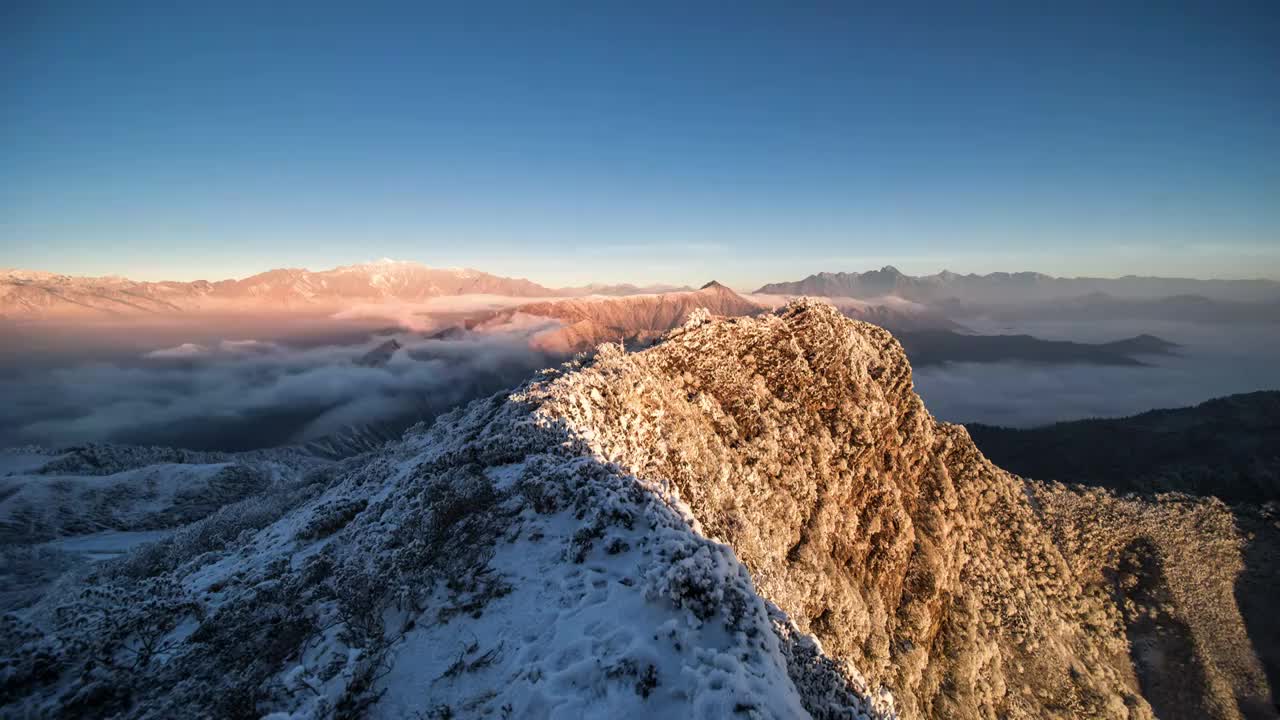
x=487 y=566
x=797 y=439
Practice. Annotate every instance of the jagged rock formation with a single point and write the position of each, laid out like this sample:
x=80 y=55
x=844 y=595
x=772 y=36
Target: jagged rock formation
x=797 y=439
x=610 y=540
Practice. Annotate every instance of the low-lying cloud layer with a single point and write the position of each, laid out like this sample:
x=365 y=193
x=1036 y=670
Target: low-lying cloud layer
x=243 y=394
x=228 y=390
x=1211 y=362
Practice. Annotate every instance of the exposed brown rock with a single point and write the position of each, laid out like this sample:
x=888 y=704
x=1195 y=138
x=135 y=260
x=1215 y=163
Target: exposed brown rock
x=797 y=439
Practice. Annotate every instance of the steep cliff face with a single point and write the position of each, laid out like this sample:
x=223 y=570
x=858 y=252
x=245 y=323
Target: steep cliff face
x=797 y=439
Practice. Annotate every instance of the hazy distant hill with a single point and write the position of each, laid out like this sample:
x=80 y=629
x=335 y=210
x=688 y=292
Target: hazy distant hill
x=1228 y=448
x=934 y=347
x=587 y=322
x=1019 y=287
x=621 y=290
x=35 y=294
x=1175 y=308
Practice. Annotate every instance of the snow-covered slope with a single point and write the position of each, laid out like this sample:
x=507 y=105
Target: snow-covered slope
x=63 y=509
x=489 y=566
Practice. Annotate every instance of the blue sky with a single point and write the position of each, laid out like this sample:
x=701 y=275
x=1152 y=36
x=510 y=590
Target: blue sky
x=571 y=142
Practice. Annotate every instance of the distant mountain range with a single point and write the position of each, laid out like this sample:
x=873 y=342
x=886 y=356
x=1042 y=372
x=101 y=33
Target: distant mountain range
x=28 y=294
x=1000 y=288
x=621 y=290
x=885 y=296
x=1179 y=308
x=25 y=293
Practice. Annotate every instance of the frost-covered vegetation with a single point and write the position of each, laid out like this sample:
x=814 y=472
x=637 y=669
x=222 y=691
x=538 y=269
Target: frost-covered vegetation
x=487 y=566
x=63 y=509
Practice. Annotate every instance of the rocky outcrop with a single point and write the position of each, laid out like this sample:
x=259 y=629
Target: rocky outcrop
x=797 y=439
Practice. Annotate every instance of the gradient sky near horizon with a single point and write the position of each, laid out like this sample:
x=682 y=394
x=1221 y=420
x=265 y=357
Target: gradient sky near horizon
x=574 y=142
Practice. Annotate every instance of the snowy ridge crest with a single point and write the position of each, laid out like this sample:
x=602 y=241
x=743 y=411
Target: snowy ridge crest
x=491 y=565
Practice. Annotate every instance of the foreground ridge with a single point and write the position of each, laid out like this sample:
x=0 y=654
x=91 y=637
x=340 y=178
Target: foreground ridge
x=797 y=439
x=656 y=533
x=487 y=566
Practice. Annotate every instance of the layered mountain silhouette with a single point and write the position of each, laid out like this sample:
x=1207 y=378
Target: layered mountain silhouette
x=1088 y=308
x=658 y=533
x=24 y=293
x=1002 y=288
x=581 y=324
x=1227 y=448
x=936 y=347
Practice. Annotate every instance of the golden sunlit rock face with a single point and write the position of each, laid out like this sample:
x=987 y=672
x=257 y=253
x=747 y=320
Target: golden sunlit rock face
x=797 y=439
